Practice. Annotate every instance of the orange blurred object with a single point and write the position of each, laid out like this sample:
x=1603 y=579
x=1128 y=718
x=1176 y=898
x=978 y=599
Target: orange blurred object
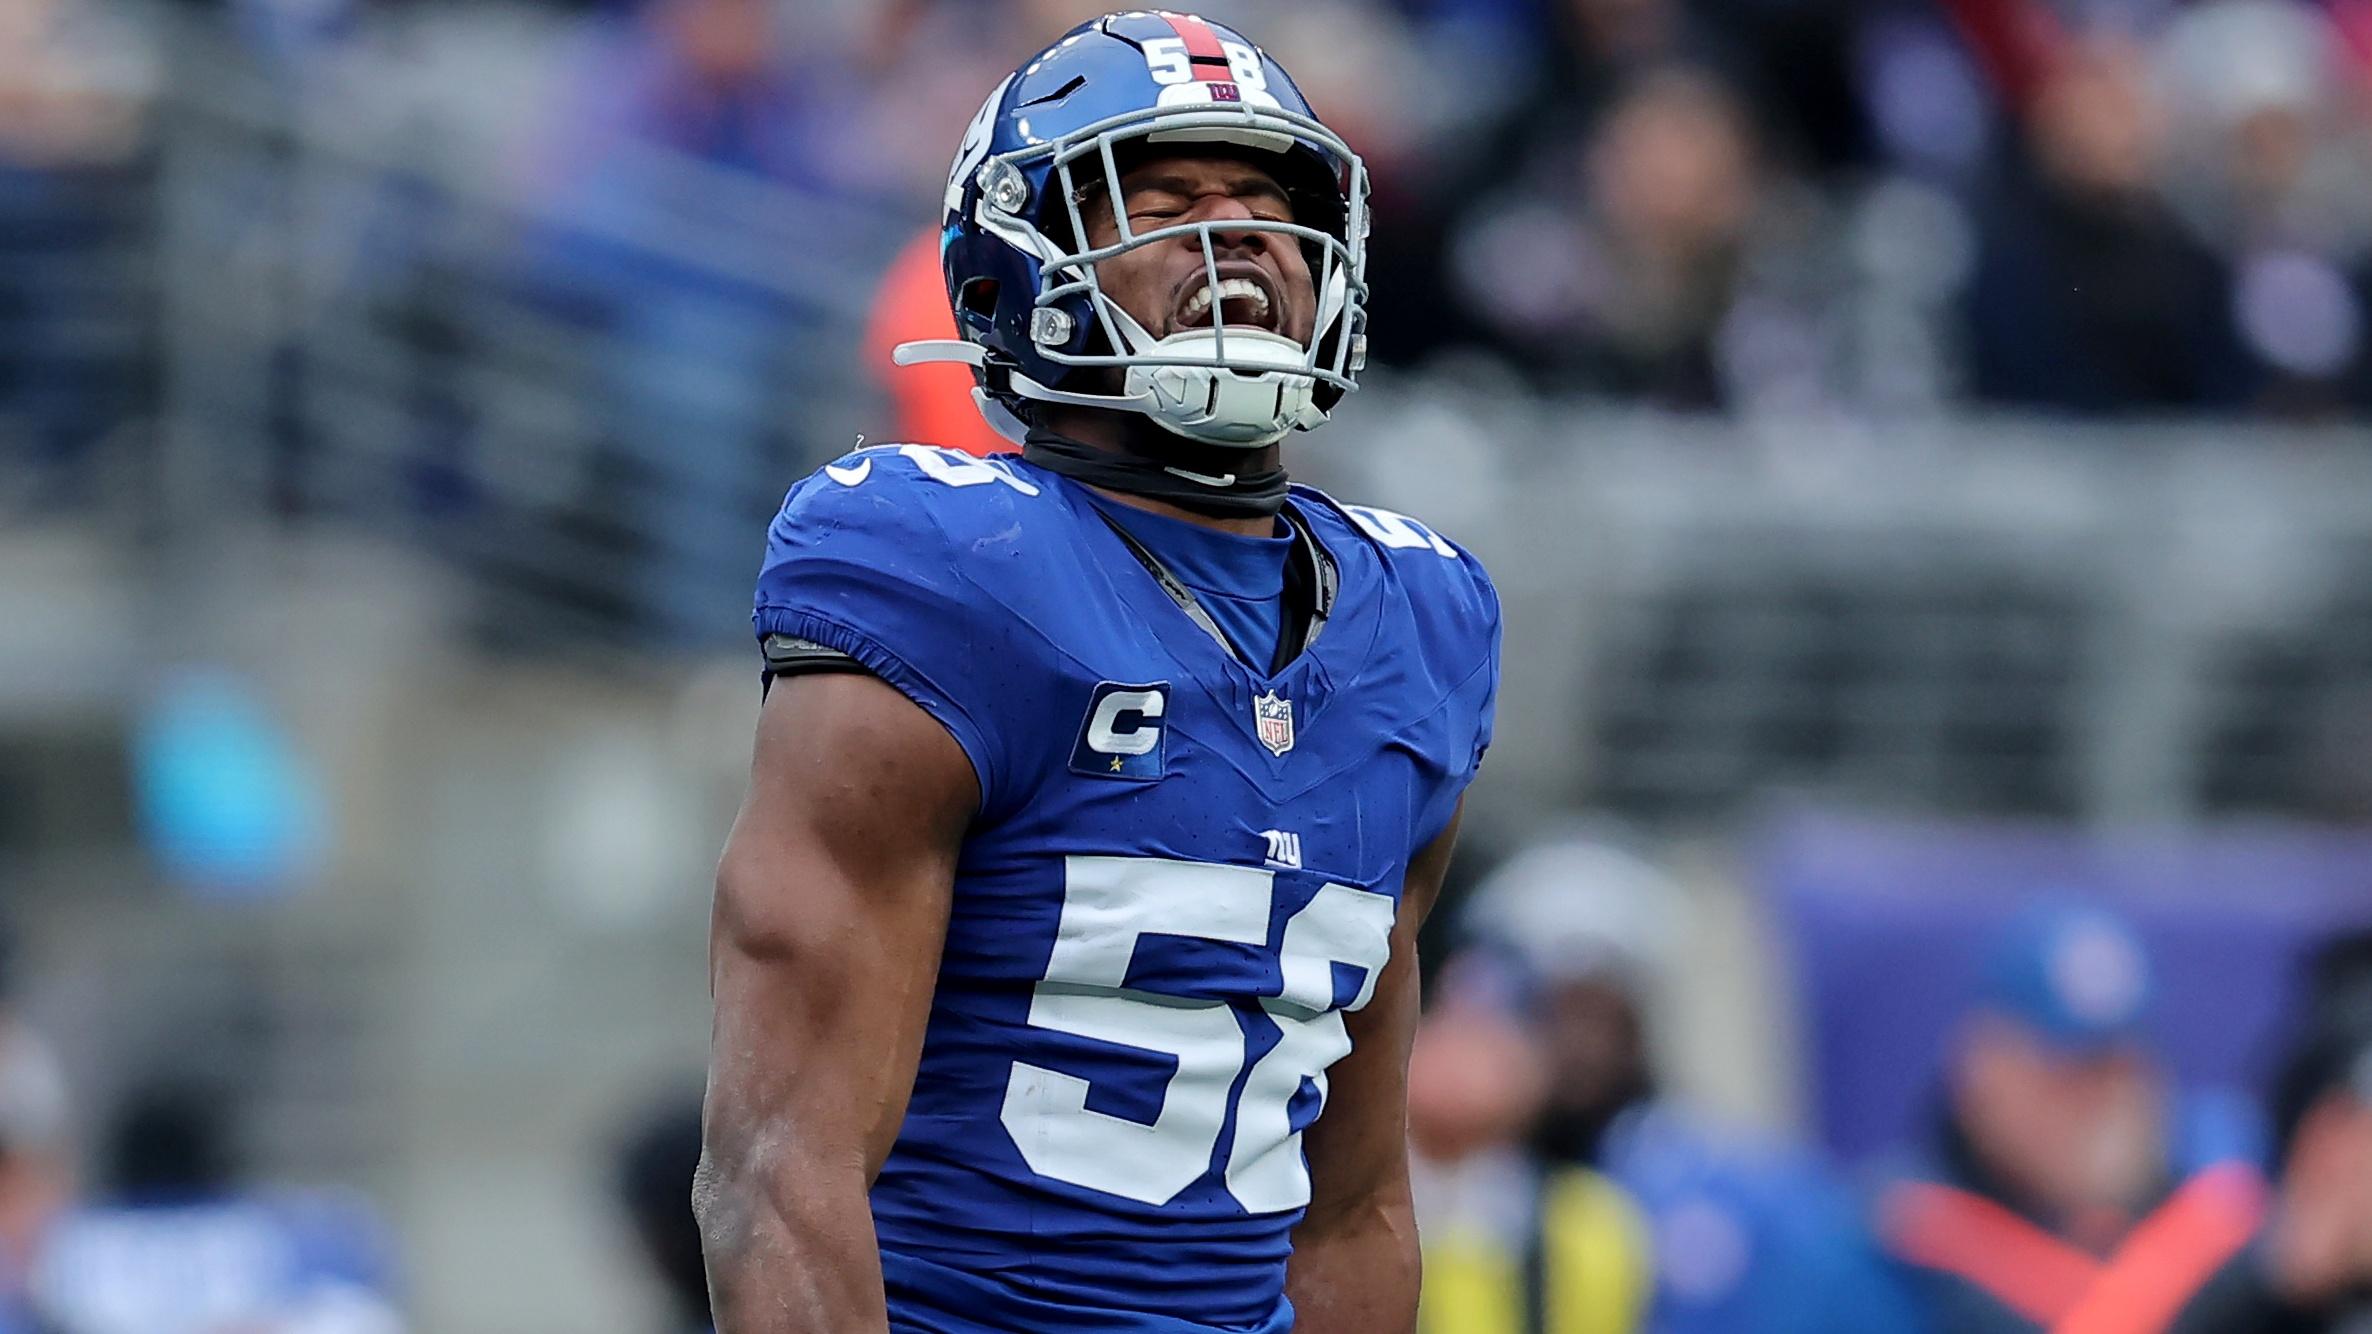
x=933 y=403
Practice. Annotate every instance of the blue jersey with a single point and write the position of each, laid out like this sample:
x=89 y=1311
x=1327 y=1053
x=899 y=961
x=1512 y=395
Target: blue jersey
x=1183 y=872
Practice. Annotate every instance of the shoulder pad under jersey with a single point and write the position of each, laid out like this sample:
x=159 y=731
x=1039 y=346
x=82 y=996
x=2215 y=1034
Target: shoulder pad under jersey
x=895 y=556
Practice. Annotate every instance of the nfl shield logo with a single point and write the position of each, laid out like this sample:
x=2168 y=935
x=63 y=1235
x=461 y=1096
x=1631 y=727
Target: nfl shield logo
x=1272 y=721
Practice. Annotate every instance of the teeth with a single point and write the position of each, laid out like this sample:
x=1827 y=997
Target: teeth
x=1229 y=289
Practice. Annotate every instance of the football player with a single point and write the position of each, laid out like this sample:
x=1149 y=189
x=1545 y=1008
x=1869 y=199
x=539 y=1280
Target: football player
x=1063 y=949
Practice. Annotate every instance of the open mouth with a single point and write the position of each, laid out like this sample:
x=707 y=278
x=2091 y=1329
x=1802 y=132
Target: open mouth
x=1243 y=302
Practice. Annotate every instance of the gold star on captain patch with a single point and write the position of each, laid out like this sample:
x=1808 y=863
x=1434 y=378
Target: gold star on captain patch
x=1115 y=764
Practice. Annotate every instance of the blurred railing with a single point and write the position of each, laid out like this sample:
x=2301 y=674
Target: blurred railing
x=1993 y=617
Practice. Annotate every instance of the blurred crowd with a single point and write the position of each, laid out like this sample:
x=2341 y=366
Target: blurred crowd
x=2060 y=1177
x=1738 y=205
x=600 y=273
x=149 y=1220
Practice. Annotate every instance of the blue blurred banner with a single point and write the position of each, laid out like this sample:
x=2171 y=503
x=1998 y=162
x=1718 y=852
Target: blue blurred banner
x=1886 y=925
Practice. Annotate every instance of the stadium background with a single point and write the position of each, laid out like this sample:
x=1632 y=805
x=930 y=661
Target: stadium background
x=1922 y=445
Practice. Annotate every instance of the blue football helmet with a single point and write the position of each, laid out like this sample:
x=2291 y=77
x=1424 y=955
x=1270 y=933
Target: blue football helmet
x=1050 y=141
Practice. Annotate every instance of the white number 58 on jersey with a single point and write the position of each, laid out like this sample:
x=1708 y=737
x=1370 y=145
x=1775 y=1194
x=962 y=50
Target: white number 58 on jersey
x=1109 y=905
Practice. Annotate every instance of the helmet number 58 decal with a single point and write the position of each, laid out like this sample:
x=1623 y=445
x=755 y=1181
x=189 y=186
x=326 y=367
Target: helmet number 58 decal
x=1170 y=63
x=974 y=149
x=1167 y=58
x=1244 y=63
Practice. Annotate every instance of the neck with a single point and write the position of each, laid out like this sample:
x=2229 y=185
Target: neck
x=1128 y=435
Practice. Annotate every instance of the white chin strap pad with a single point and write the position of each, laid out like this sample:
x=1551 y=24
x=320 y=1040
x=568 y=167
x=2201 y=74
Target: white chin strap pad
x=1265 y=392
x=1272 y=395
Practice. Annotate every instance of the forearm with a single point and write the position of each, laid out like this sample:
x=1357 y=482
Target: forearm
x=790 y=1251
x=1355 y=1267
x=831 y=909
x=1356 y=1273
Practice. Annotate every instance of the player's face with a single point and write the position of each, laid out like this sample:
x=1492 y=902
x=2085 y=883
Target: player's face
x=1264 y=278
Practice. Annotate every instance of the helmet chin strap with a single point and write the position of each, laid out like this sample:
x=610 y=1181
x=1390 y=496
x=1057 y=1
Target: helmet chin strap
x=1264 y=394
x=933 y=350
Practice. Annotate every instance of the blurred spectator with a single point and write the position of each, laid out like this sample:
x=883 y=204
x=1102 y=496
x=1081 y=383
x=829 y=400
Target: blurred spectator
x=2064 y=1185
x=1737 y=1236
x=2267 y=135
x=2271 y=163
x=2088 y=295
x=654 y=1185
x=74 y=84
x=1589 y=50
x=72 y=81
x=1657 y=261
x=1420 y=90
x=1789 y=60
x=181 y=1245
x=1486 y=1205
x=36 y=1172
x=2311 y=1268
x=1521 y=141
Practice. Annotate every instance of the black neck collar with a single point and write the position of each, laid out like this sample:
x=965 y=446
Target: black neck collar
x=1203 y=479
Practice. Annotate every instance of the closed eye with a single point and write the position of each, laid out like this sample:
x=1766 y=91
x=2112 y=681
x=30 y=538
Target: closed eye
x=1156 y=204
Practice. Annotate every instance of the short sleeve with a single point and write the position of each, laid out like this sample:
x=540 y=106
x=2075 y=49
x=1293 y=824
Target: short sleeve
x=1475 y=698
x=1487 y=709
x=865 y=567
x=1462 y=635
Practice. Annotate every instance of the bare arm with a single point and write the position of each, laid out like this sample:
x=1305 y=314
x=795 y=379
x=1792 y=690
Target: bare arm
x=831 y=909
x=1354 y=1266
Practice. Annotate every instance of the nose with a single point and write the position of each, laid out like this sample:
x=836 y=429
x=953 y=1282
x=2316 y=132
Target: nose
x=1225 y=208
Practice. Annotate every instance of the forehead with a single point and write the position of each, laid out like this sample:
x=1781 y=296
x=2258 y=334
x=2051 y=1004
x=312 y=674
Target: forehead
x=1199 y=167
